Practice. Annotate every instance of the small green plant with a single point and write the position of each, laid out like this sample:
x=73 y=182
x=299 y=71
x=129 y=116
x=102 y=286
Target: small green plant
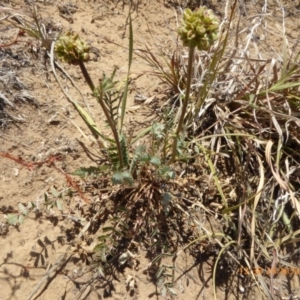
x=53 y=199
x=139 y=166
x=165 y=278
x=126 y=168
x=18 y=218
x=72 y=49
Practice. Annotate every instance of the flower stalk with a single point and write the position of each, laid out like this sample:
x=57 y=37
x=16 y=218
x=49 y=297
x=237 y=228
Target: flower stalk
x=71 y=49
x=86 y=75
x=200 y=29
x=185 y=102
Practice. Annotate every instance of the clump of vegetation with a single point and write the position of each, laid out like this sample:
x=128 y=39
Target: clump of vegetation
x=236 y=126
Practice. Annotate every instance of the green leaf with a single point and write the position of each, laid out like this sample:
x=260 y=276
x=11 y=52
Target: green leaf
x=122 y=178
x=167 y=172
x=103 y=256
x=167 y=198
x=112 y=95
x=159 y=273
x=85 y=172
x=172 y=291
x=103 y=237
x=155 y=161
x=59 y=204
x=100 y=247
x=164 y=292
x=124 y=153
x=12 y=219
x=54 y=192
x=125 y=93
x=157 y=130
x=140 y=155
x=141 y=134
x=22 y=209
x=101 y=272
x=130 y=42
x=105 y=229
x=89 y=122
x=21 y=219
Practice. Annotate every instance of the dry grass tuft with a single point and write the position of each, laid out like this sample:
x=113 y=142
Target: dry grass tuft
x=247 y=127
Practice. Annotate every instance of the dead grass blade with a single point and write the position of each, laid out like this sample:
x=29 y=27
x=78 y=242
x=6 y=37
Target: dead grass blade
x=256 y=199
x=168 y=70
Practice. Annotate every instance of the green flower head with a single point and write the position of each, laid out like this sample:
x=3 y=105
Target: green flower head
x=200 y=28
x=71 y=49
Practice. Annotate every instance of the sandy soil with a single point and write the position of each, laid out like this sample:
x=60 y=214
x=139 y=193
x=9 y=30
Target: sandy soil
x=47 y=129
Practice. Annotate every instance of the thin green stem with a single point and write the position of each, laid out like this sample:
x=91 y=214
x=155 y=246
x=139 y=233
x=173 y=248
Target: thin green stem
x=106 y=112
x=185 y=103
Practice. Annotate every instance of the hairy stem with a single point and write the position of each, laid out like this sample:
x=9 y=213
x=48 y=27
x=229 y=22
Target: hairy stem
x=185 y=103
x=86 y=75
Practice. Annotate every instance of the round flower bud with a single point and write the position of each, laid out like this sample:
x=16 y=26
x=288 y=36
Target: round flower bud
x=71 y=49
x=200 y=28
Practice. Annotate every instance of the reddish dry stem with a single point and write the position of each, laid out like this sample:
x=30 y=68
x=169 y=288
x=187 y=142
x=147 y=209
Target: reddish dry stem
x=30 y=164
x=50 y=162
x=15 y=40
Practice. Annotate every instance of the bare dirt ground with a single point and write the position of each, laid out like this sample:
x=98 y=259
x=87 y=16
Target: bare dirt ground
x=42 y=126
